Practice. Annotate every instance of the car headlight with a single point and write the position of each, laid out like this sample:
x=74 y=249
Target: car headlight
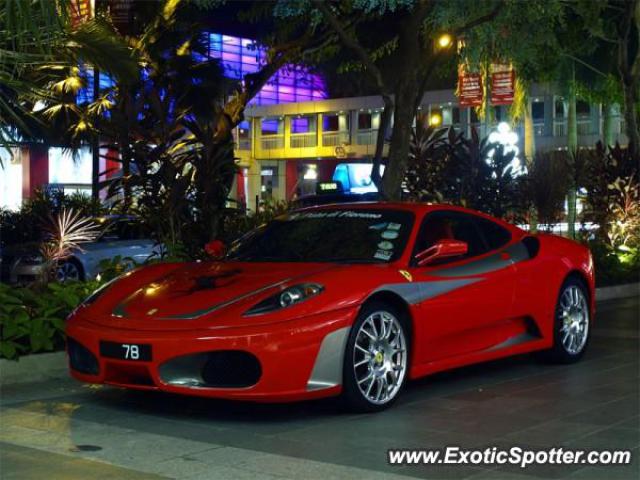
x=31 y=259
x=287 y=297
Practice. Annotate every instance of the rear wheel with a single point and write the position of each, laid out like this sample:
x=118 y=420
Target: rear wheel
x=572 y=323
x=69 y=270
x=376 y=359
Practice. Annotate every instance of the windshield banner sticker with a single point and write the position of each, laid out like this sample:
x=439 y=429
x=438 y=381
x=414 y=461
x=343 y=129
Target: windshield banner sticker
x=383 y=255
x=335 y=214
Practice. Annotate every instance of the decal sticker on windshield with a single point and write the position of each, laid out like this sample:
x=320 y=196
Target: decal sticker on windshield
x=335 y=214
x=383 y=255
x=378 y=226
x=394 y=226
x=389 y=235
x=384 y=245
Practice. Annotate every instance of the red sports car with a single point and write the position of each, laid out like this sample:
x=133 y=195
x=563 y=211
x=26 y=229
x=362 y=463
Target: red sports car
x=350 y=299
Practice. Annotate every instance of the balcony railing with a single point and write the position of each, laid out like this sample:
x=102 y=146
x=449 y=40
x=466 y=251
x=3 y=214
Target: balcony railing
x=303 y=140
x=538 y=129
x=366 y=137
x=334 y=139
x=272 y=142
x=584 y=127
x=559 y=128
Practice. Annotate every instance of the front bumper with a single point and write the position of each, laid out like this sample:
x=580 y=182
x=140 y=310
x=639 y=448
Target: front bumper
x=299 y=359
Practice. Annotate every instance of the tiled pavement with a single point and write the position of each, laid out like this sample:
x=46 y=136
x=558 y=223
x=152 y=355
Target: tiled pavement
x=63 y=430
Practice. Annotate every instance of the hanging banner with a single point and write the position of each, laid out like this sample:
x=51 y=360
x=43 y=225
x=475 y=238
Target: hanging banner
x=80 y=11
x=469 y=88
x=503 y=81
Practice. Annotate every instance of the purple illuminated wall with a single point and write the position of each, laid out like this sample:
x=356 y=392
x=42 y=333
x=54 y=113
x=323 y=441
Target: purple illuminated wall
x=240 y=56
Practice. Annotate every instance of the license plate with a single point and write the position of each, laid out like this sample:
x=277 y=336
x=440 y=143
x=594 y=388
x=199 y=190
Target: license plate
x=137 y=352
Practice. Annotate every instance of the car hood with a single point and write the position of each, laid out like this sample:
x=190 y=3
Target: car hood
x=196 y=294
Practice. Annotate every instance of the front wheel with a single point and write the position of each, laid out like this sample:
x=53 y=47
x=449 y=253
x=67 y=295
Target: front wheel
x=376 y=359
x=572 y=323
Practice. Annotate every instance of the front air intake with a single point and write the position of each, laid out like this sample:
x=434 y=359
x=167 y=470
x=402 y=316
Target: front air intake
x=81 y=359
x=217 y=369
x=231 y=369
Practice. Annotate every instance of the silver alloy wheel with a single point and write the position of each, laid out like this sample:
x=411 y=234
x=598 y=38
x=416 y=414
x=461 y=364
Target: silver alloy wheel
x=574 y=319
x=380 y=357
x=66 y=271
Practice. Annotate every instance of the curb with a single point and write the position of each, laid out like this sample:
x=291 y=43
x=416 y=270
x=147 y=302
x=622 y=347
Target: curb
x=49 y=366
x=618 y=291
x=33 y=368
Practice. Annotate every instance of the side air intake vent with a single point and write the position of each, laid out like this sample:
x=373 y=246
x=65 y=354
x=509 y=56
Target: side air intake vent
x=81 y=359
x=533 y=246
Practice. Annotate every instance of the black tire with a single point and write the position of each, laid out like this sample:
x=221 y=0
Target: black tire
x=559 y=352
x=352 y=396
x=71 y=263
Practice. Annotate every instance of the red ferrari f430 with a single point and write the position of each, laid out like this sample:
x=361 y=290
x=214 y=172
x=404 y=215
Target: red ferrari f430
x=344 y=299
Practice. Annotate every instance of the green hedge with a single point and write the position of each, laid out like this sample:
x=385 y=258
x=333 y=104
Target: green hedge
x=32 y=318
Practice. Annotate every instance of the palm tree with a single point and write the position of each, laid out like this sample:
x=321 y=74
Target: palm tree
x=40 y=54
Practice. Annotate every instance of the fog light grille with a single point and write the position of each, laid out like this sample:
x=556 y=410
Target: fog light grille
x=81 y=359
x=231 y=368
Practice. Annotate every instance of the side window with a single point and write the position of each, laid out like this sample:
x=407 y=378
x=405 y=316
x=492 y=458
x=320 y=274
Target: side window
x=454 y=225
x=130 y=231
x=495 y=235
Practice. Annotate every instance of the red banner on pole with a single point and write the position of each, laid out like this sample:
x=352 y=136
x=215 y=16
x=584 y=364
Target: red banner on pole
x=469 y=88
x=503 y=80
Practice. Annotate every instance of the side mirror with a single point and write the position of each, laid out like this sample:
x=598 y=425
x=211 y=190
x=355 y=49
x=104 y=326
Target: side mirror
x=445 y=248
x=216 y=249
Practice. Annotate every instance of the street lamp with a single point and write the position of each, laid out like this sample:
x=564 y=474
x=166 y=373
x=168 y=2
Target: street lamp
x=435 y=119
x=445 y=40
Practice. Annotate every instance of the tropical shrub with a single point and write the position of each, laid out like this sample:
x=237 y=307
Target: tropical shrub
x=32 y=318
x=238 y=222
x=546 y=185
x=603 y=170
x=29 y=224
x=446 y=167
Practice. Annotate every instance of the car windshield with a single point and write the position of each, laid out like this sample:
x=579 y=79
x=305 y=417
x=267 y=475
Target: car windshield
x=328 y=235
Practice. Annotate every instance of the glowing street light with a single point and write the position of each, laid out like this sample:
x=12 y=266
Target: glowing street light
x=435 y=119
x=445 y=40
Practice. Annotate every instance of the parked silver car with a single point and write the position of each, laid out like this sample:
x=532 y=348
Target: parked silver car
x=121 y=236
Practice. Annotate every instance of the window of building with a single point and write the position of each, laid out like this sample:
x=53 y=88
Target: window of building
x=364 y=120
x=271 y=126
x=559 y=108
x=240 y=56
x=268 y=181
x=537 y=110
x=583 y=108
x=335 y=122
x=303 y=124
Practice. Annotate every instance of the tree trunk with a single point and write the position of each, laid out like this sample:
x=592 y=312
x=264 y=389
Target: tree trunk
x=398 y=157
x=608 y=133
x=572 y=144
x=529 y=156
x=385 y=120
x=631 y=116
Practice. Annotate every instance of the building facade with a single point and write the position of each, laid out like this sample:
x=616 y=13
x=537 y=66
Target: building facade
x=285 y=149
